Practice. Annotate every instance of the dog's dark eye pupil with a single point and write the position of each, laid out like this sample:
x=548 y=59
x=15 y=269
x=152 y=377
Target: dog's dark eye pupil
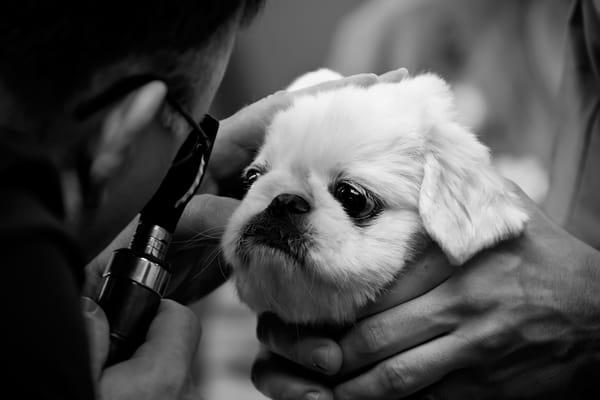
x=356 y=203
x=251 y=176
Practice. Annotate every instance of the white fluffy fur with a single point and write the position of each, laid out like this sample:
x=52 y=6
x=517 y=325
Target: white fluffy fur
x=401 y=141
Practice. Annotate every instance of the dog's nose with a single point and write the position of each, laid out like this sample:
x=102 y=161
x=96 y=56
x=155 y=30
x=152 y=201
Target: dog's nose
x=289 y=203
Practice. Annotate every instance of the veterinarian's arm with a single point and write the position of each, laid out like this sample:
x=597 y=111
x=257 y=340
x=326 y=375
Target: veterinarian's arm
x=162 y=368
x=518 y=320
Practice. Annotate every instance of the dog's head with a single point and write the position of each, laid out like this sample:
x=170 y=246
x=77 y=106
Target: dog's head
x=345 y=188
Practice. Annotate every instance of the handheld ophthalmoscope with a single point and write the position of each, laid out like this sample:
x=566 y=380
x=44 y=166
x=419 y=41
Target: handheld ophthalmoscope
x=136 y=278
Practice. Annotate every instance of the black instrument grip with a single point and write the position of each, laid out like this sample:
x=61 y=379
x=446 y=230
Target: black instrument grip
x=129 y=305
x=130 y=309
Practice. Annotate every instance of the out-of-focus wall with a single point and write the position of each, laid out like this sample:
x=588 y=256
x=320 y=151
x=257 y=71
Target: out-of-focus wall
x=288 y=38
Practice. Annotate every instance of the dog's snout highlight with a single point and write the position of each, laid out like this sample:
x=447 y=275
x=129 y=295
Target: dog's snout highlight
x=289 y=203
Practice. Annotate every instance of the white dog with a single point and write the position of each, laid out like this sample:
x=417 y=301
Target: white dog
x=345 y=188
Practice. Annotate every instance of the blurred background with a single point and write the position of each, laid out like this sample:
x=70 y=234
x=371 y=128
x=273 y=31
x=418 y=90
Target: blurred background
x=502 y=58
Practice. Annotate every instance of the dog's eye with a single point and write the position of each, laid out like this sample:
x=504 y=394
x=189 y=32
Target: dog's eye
x=357 y=203
x=251 y=175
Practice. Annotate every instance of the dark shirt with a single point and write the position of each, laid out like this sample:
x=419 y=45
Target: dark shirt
x=45 y=350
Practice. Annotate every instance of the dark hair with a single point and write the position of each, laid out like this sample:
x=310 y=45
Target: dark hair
x=49 y=49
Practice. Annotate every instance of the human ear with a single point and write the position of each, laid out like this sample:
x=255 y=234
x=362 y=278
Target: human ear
x=121 y=126
x=123 y=165
x=465 y=205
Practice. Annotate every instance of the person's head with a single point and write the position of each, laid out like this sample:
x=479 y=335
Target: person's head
x=64 y=65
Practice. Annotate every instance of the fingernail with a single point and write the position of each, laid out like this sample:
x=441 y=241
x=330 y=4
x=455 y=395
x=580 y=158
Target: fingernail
x=261 y=332
x=312 y=396
x=320 y=358
x=88 y=305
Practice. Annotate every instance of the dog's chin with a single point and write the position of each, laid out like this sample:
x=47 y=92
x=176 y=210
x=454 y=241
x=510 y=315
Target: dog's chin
x=269 y=279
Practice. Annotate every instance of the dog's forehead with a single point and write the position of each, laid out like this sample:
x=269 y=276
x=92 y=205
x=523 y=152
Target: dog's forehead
x=345 y=127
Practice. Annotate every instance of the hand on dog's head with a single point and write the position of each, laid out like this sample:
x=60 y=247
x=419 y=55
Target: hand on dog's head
x=349 y=186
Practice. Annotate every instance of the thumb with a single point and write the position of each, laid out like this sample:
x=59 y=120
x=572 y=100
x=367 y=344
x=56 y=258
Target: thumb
x=206 y=215
x=98 y=334
x=195 y=254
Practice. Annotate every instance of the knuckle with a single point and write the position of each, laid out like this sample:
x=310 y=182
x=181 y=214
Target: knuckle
x=367 y=78
x=190 y=322
x=168 y=382
x=280 y=98
x=288 y=394
x=340 y=394
x=492 y=339
x=492 y=344
x=170 y=390
x=395 y=378
x=293 y=353
x=372 y=337
x=187 y=315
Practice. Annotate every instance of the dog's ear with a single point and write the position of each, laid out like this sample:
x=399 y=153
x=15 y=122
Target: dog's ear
x=313 y=78
x=465 y=205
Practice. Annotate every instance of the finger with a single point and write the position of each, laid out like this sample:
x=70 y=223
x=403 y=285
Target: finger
x=277 y=378
x=408 y=372
x=458 y=385
x=205 y=217
x=199 y=270
x=98 y=334
x=425 y=274
x=196 y=252
x=394 y=76
x=320 y=354
x=240 y=135
x=397 y=329
x=545 y=381
x=171 y=342
x=161 y=366
x=365 y=79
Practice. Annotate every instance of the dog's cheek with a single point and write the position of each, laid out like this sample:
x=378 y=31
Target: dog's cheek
x=268 y=284
x=377 y=253
x=331 y=241
x=246 y=292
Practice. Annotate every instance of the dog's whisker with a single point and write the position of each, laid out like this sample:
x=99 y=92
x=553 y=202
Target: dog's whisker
x=213 y=233
x=207 y=264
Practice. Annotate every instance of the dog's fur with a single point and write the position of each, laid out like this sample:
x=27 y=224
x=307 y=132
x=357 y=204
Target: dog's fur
x=400 y=142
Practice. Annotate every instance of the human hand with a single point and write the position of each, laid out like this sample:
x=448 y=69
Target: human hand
x=285 y=347
x=519 y=320
x=164 y=366
x=194 y=252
